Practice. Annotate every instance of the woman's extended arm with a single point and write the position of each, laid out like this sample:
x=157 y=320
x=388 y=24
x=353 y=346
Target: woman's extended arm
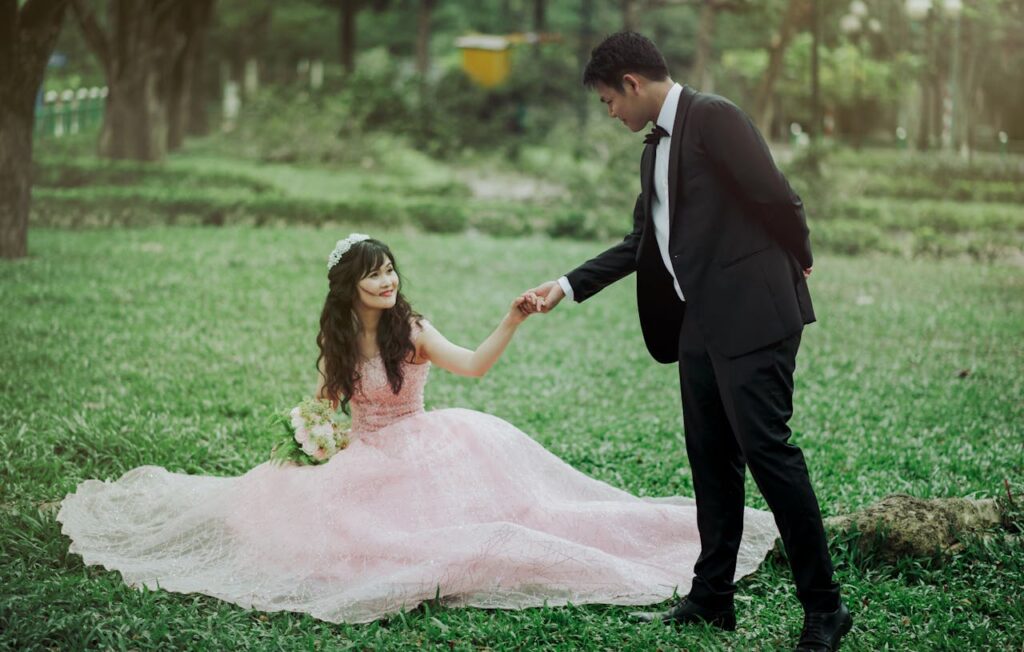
x=433 y=346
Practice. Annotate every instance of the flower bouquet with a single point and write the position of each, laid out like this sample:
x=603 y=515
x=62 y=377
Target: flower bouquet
x=312 y=436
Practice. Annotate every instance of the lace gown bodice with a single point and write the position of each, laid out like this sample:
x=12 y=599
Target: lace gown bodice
x=375 y=405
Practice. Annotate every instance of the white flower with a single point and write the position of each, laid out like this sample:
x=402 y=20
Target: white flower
x=343 y=246
x=297 y=420
x=309 y=447
x=323 y=430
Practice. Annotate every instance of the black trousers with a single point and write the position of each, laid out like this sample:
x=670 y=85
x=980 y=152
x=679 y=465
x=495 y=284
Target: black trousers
x=735 y=413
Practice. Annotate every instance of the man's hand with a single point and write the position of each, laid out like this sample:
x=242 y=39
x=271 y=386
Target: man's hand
x=551 y=292
x=807 y=272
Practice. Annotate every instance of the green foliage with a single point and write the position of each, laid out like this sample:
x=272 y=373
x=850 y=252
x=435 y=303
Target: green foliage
x=52 y=171
x=176 y=345
x=849 y=237
x=917 y=205
x=872 y=201
x=911 y=187
x=939 y=167
x=439 y=217
x=572 y=223
x=504 y=220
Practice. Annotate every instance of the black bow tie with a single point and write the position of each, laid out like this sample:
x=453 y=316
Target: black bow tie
x=655 y=135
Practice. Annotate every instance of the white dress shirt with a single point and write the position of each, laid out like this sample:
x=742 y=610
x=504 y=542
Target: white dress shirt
x=659 y=198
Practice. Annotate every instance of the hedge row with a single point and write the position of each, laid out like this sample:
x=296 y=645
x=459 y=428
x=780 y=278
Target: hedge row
x=80 y=173
x=960 y=190
x=856 y=228
x=943 y=217
x=853 y=237
x=101 y=206
x=940 y=168
x=50 y=172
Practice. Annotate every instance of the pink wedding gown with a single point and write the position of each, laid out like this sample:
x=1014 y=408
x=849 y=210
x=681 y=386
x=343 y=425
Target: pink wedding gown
x=451 y=503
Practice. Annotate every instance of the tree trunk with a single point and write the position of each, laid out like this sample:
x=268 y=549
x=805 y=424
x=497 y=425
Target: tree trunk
x=629 y=19
x=423 y=37
x=27 y=38
x=347 y=34
x=539 y=22
x=976 y=60
x=764 y=104
x=817 y=131
x=15 y=181
x=138 y=56
x=192 y=24
x=705 y=33
x=135 y=119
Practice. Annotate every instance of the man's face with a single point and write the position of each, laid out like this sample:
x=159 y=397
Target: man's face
x=625 y=105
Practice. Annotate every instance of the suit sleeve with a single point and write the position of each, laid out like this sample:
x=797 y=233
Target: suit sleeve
x=604 y=269
x=736 y=147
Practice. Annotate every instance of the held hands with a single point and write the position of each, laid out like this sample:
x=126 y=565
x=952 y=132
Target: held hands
x=523 y=306
x=550 y=294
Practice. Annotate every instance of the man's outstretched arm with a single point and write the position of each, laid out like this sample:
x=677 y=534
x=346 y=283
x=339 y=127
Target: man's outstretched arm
x=600 y=271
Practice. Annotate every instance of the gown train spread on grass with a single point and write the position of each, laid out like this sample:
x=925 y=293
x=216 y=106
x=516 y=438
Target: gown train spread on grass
x=451 y=503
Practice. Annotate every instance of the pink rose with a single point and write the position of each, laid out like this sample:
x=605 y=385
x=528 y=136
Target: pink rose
x=320 y=454
x=302 y=435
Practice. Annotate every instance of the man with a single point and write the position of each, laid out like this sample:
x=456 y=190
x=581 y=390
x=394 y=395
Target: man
x=721 y=251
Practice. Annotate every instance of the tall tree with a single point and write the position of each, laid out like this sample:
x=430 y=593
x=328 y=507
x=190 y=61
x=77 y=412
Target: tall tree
x=27 y=37
x=426 y=10
x=700 y=74
x=629 y=9
x=708 y=11
x=137 y=52
x=348 y=12
x=794 y=17
x=185 y=97
x=540 y=22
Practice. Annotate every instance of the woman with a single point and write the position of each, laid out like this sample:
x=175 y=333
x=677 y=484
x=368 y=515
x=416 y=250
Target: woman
x=451 y=503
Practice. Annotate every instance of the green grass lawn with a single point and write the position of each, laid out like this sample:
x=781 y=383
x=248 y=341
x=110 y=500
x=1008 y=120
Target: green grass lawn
x=172 y=346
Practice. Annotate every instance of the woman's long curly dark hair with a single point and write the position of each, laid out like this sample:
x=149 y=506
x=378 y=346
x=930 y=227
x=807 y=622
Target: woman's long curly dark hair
x=338 y=338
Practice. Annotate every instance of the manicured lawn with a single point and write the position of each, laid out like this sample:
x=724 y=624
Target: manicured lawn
x=172 y=346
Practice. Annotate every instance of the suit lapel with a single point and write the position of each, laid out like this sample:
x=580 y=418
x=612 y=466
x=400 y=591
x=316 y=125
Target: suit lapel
x=647 y=187
x=675 y=153
x=647 y=178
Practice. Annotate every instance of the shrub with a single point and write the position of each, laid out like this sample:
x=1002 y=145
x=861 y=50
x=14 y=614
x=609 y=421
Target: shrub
x=942 y=216
x=572 y=223
x=849 y=237
x=49 y=172
x=930 y=243
x=504 y=220
x=115 y=206
x=439 y=217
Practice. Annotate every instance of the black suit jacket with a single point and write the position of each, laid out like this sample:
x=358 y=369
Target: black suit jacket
x=738 y=239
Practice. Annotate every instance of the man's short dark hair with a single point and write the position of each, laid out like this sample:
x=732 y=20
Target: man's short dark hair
x=622 y=53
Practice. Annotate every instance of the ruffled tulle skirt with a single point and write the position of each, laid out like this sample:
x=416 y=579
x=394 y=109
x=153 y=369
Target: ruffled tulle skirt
x=451 y=503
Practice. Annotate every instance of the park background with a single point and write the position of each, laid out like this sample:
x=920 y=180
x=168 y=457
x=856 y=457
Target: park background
x=174 y=173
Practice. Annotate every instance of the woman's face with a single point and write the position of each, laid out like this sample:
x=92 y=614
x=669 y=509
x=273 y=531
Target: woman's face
x=379 y=288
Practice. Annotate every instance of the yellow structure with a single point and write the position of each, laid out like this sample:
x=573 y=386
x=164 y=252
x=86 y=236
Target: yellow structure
x=487 y=59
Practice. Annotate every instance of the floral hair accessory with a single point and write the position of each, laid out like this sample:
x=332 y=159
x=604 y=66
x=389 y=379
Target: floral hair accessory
x=342 y=246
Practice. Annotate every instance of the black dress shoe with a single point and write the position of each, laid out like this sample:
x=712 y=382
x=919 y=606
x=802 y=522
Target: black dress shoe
x=689 y=612
x=824 y=629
